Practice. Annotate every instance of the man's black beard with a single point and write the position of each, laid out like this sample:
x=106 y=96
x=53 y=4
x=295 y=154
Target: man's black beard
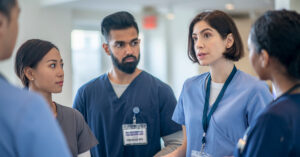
x=126 y=67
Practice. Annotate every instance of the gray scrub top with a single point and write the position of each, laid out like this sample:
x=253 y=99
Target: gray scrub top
x=77 y=133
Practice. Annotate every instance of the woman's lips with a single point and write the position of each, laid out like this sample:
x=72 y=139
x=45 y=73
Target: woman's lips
x=61 y=83
x=201 y=55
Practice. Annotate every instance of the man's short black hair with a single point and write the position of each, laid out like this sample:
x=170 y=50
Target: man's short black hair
x=116 y=21
x=6 y=6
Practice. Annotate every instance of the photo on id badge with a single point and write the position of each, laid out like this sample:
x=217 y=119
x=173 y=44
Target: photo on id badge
x=135 y=134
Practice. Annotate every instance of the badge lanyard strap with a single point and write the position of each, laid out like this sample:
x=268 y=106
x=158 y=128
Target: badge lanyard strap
x=205 y=117
x=134 y=119
x=135 y=111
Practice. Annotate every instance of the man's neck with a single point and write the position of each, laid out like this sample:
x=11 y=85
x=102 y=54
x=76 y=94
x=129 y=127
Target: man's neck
x=119 y=77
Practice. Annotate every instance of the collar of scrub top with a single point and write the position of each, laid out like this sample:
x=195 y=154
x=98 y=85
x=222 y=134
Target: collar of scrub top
x=242 y=142
x=206 y=118
x=288 y=91
x=1 y=76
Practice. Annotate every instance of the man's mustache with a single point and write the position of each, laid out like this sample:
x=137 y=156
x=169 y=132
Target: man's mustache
x=123 y=60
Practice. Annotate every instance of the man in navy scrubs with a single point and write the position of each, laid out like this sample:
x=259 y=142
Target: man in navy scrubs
x=128 y=109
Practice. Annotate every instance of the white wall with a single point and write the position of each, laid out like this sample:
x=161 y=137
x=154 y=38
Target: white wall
x=181 y=67
x=288 y=4
x=244 y=26
x=48 y=24
x=169 y=41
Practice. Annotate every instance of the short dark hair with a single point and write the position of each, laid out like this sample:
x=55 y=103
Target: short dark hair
x=224 y=25
x=278 y=32
x=29 y=55
x=116 y=21
x=6 y=6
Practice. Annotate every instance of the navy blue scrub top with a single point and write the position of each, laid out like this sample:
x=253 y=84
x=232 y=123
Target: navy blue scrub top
x=276 y=132
x=105 y=113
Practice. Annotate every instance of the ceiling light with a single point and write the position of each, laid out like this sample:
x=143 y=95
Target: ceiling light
x=229 y=6
x=170 y=16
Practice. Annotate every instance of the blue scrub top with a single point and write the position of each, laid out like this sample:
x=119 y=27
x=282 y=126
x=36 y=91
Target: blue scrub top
x=27 y=126
x=244 y=98
x=105 y=113
x=276 y=132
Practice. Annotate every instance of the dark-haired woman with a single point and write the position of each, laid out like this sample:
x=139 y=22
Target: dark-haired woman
x=40 y=68
x=274 y=45
x=216 y=107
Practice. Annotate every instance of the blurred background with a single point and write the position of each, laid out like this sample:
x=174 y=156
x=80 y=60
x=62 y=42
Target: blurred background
x=73 y=25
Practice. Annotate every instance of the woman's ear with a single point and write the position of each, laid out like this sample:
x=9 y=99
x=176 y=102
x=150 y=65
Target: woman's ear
x=29 y=73
x=229 y=40
x=264 y=58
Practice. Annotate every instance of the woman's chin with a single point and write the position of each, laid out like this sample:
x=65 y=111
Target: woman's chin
x=203 y=63
x=57 y=91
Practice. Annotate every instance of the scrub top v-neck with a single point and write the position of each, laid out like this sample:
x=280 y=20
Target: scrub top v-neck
x=243 y=99
x=105 y=113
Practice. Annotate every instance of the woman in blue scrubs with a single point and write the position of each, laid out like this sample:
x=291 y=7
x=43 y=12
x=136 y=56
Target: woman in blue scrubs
x=216 y=107
x=274 y=46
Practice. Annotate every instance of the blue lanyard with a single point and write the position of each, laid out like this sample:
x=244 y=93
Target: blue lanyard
x=205 y=117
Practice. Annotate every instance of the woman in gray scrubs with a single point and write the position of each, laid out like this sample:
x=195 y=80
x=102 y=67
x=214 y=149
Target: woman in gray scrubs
x=40 y=67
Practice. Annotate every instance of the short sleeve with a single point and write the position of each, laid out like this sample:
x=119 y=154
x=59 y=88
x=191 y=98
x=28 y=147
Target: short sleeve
x=258 y=100
x=79 y=102
x=167 y=104
x=269 y=136
x=85 y=138
x=178 y=115
x=37 y=132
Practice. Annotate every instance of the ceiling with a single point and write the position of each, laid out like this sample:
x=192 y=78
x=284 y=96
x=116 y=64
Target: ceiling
x=161 y=5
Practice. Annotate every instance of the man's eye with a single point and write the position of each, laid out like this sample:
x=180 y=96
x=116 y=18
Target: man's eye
x=135 y=43
x=119 y=45
x=52 y=65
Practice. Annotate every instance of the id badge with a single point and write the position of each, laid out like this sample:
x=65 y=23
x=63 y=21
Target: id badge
x=199 y=154
x=134 y=134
